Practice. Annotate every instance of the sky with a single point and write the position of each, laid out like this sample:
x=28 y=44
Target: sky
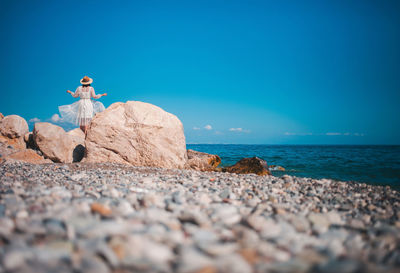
x=234 y=72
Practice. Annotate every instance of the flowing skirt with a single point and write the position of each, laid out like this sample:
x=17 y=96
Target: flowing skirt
x=80 y=112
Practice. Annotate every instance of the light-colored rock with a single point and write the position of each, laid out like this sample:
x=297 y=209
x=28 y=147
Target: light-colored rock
x=93 y=264
x=233 y=263
x=6 y=226
x=77 y=135
x=226 y=214
x=29 y=156
x=320 y=222
x=192 y=260
x=202 y=161
x=145 y=250
x=53 y=142
x=15 y=259
x=13 y=126
x=136 y=133
x=193 y=216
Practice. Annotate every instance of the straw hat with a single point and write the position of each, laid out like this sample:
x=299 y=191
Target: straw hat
x=86 y=80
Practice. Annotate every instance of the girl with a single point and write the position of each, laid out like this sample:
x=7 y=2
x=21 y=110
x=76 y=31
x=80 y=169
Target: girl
x=82 y=112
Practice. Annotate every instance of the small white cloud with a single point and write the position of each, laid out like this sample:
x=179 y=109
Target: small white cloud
x=218 y=133
x=358 y=134
x=196 y=128
x=239 y=130
x=346 y=134
x=333 y=134
x=208 y=127
x=33 y=120
x=55 y=118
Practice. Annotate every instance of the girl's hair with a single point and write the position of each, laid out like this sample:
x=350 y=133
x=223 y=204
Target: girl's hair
x=84 y=85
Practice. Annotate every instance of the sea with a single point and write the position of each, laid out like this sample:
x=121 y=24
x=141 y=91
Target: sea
x=371 y=164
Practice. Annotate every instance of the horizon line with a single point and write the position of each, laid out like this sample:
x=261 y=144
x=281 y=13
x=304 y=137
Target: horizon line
x=293 y=144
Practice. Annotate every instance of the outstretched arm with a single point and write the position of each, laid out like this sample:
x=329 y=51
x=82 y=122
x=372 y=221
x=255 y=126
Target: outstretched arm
x=93 y=94
x=76 y=94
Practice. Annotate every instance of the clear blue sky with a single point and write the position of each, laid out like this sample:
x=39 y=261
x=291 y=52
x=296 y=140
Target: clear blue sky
x=283 y=72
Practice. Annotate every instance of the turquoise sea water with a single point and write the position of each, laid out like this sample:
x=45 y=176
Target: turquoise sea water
x=378 y=165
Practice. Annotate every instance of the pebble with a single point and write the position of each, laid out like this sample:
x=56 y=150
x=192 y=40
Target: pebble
x=320 y=222
x=109 y=217
x=192 y=260
x=100 y=209
x=15 y=258
x=234 y=263
x=93 y=264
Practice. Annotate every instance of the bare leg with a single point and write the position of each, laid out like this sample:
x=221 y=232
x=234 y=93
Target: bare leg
x=84 y=129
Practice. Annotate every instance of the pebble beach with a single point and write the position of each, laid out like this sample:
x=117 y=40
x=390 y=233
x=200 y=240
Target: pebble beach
x=86 y=217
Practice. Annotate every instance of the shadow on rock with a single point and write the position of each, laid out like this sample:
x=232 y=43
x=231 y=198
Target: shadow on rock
x=78 y=153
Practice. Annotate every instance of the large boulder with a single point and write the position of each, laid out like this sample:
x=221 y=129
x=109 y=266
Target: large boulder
x=12 y=131
x=53 y=142
x=77 y=134
x=29 y=156
x=13 y=126
x=249 y=165
x=202 y=161
x=136 y=133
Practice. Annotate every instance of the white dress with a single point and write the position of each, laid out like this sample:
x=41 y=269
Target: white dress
x=82 y=111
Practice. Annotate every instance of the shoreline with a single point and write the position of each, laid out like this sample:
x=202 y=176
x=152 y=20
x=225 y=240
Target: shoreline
x=375 y=165
x=88 y=216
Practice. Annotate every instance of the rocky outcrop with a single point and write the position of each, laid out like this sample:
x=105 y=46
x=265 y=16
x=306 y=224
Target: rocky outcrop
x=202 y=161
x=53 y=142
x=12 y=131
x=136 y=133
x=47 y=140
x=13 y=126
x=249 y=165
